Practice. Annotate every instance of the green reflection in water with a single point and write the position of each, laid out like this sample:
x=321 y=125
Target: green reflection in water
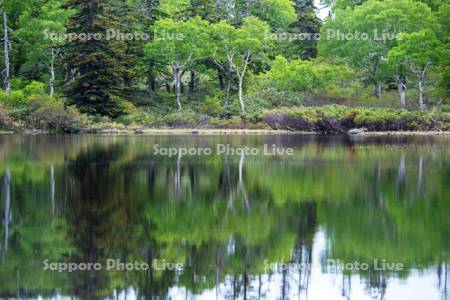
x=88 y=199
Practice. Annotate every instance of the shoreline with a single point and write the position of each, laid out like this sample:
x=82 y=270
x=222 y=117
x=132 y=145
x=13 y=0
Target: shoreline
x=178 y=131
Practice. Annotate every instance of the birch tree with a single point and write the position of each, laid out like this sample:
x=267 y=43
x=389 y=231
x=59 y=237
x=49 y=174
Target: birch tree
x=250 y=43
x=6 y=49
x=182 y=44
x=41 y=32
x=418 y=51
x=222 y=35
x=364 y=35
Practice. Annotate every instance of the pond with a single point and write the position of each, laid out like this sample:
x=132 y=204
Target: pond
x=135 y=217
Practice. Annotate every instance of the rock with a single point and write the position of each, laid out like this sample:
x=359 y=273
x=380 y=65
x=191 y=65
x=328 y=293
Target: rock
x=355 y=131
x=34 y=131
x=109 y=131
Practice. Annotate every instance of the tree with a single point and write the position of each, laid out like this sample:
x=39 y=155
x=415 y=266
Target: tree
x=250 y=43
x=99 y=63
x=277 y=13
x=6 y=49
x=307 y=23
x=222 y=37
x=418 y=51
x=364 y=35
x=183 y=43
x=40 y=31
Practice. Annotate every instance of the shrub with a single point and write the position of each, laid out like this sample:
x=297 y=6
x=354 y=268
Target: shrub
x=49 y=113
x=14 y=100
x=34 y=88
x=339 y=119
x=232 y=123
x=138 y=118
x=5 y=121
x=211 y=106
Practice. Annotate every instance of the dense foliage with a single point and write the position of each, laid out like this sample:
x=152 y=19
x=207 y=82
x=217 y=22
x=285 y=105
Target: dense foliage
x=139 y=61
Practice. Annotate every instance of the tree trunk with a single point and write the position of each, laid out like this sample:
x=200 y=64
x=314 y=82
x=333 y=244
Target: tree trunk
x=220 y=78
x=150 y=79
x=228 y=88
x=6 y=53
x=192 y=82
x=177 y=83
x=378 y=89
x=149 y=8
x=7 y=215
x=401 y=90
x=52 y=73
x=422 y=92
x=241 y=97
x=246 y=10
x=52 y=189
x=178 y=176
x=420 y=175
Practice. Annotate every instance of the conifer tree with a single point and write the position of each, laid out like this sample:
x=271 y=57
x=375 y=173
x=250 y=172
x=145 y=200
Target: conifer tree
x=307 y=24
x=97 y=62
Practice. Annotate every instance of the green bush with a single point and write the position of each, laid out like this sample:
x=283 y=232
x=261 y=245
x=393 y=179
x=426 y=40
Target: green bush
x=138 y=118
x=232 y=123
x=15 y=99
x=339 y=119
x=5 y=120
x=47 y=113
x=34 y=88
x=211 y=106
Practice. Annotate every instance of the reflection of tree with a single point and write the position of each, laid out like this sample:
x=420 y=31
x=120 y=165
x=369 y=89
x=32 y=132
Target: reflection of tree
x=408 y=226
x=7 y=214
x=136 y=214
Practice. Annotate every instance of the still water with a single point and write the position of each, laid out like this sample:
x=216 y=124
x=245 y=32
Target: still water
x=340 y=218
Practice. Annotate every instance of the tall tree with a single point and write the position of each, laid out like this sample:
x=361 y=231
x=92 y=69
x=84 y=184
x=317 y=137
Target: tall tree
x=6 y=49
x=98 y=62
x=418 y=51
x=364 y=35
x=250 y=43
x=307 y=24
x=40 y=31
x=184 y=43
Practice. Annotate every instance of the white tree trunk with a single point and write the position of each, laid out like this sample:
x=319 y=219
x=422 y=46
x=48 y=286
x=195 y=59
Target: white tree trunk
x=7 y=215
x=241 y=76
x=241 y=96
x=378 y=89
x=6 y=53
x=422 y=92
x=228 y=88
x=420 y=175
x=52 y=189
x=177 y=82
x=52 y=73
x=402 y=94
x=401 y=90
x=178 y=176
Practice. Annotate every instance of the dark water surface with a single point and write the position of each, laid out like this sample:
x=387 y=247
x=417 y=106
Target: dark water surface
x=225 y=226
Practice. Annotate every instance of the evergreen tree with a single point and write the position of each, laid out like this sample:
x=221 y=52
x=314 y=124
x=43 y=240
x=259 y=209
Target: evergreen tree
x=97 y=62
x=205 y=9
x=308 y=25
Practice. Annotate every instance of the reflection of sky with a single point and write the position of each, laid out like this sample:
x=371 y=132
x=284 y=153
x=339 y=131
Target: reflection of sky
x=418 y=285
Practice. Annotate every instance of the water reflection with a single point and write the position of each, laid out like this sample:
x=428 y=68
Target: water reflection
x=224 y=218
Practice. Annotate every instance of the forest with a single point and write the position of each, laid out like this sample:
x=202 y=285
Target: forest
x=87 y=65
